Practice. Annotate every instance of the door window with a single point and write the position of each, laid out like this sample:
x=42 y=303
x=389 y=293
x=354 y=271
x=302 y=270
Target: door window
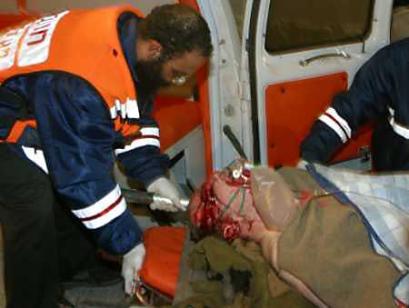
x=238 y=8
x=302 y=24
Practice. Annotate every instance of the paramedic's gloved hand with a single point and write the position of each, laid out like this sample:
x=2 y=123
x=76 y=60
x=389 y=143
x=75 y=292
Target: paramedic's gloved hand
x=131 y=264
x=162 y=187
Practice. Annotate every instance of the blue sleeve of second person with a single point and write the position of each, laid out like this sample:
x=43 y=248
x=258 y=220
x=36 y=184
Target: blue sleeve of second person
x=366 y=100
x=77 y=136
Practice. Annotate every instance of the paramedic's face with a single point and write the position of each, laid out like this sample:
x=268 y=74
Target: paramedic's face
x=150 y=73
x=177 y=70
x=158 y=72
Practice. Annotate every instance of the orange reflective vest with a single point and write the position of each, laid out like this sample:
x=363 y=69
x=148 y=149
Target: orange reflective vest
x=84 y=43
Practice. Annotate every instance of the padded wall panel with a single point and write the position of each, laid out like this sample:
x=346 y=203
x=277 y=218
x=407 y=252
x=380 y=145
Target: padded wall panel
x=292 y=107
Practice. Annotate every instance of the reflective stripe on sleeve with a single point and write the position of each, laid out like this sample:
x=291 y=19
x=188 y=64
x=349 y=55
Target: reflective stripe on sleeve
x=103 y=211
x=149 y=136
x=150 y=131
x=399 y=129
x=138 y=143
x=341 y=122
x=334 y=121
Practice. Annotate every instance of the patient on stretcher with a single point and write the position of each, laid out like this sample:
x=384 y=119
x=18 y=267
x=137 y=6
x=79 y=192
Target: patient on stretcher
x=337 y=237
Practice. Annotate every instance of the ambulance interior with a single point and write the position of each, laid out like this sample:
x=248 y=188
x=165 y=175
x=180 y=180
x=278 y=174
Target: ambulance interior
x=185 y=114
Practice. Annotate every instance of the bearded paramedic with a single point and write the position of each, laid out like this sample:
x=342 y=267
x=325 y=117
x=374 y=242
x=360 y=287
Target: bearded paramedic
x=76 y=94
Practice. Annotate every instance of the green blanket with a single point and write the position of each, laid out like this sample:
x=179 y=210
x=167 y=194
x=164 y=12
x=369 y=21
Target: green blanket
x=228 y=264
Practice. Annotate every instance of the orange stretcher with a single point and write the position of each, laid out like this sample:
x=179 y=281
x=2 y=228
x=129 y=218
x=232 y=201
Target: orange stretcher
x=160 y=271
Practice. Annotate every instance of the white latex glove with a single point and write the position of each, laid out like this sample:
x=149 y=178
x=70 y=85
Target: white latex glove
x=131 y=264
x=165 y=188
x=302 y=164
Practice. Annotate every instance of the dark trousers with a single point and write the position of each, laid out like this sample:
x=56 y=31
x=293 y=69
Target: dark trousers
x=43 y=244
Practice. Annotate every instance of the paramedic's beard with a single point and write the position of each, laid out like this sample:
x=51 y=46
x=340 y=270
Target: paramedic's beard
x=149 y=74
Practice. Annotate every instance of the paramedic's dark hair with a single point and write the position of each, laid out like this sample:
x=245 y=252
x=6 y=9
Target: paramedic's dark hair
x=178 y=28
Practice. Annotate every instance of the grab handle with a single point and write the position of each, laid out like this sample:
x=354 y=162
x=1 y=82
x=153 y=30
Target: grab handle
x=341 y=54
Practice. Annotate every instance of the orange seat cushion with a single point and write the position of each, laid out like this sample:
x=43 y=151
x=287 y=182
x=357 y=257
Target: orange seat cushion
x=176 y=118
x=164 y=247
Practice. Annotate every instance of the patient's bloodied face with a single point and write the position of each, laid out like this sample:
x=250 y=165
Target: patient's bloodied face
x=225 y=205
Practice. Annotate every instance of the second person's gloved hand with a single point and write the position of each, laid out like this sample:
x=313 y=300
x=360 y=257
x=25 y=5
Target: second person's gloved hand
x=165 y=188
x=302 y=164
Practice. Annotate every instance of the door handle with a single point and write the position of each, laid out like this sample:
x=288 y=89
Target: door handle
x=341 y=54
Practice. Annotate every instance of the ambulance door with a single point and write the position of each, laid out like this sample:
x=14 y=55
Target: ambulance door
x=300 y=53
x=220 y=90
